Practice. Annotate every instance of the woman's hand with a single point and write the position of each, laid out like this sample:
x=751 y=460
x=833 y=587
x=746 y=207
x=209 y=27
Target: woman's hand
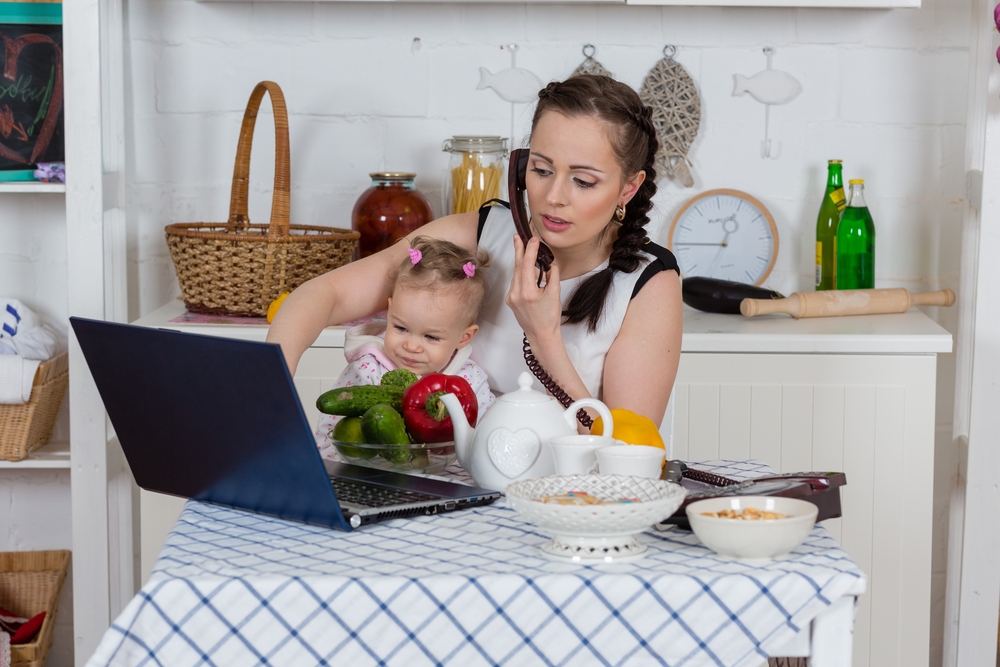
x=538 y=309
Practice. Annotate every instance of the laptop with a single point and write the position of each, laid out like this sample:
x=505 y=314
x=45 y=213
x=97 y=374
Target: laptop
x=218 y=420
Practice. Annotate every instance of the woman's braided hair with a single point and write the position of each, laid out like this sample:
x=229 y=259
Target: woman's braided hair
x=633 y=140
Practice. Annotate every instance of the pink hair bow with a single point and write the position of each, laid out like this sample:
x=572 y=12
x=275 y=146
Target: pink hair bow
x=469 y=268
x=415 y=255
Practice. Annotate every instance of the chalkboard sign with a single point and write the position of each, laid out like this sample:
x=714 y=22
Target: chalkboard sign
x=31 y=89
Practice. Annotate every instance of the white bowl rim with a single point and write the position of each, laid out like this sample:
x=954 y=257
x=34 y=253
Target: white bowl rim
x=810 y=511
x=673 y=487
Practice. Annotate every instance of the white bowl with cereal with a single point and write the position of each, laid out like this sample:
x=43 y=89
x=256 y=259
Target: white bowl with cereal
x=594 y=518
x=751 y=527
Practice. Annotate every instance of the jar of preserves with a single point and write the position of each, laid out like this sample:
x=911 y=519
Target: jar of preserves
x=475 y=172
x=387 y=211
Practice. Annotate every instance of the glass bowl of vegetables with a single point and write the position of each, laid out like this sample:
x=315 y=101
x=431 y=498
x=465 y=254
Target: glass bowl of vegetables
x=424 y=457
x=400 y=424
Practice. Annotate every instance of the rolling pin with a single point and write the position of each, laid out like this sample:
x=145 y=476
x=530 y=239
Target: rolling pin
x=833 y=303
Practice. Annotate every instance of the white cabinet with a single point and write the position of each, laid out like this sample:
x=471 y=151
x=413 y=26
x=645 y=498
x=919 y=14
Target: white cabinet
x=317 y=371
x=840 y=394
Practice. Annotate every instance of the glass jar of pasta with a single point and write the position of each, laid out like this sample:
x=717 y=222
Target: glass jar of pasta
x=387 y=211
x=475 y=172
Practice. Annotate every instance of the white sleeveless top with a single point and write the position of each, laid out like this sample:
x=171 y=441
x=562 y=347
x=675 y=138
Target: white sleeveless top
x=498 y=346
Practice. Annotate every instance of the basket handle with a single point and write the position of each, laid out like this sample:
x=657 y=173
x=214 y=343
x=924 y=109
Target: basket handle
x=238 y=216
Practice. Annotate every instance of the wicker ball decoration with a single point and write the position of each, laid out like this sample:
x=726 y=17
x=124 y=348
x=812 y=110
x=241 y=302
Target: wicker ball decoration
x=589 y=65
x=671 y=93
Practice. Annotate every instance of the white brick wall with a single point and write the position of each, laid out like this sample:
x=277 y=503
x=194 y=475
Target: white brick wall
x=376 y=86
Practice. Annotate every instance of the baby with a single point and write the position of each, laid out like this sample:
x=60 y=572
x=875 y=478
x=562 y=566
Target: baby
x=437 y=293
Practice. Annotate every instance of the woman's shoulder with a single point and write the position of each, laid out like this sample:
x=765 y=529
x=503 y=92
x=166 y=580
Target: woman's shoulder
x=660 y=259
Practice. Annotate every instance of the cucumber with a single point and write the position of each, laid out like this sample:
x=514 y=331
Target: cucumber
x=384 y=426
x=355 y=401
x=721 y=296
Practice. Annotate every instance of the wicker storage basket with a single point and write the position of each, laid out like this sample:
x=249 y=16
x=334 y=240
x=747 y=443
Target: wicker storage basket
x=26 y=427
x=236 y=268
x=30 y=583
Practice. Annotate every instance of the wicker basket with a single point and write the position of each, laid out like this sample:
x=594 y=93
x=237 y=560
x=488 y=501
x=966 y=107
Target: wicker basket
x=26 y=427
x=30 y=583
x=236 y=268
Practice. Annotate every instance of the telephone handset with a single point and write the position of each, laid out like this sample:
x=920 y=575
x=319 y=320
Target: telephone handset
x=517 y=170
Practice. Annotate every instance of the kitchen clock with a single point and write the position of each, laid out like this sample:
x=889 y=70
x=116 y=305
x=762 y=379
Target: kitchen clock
x=724 y=234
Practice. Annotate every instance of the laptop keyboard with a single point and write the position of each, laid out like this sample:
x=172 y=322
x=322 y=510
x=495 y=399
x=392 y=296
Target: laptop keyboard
x=370 y=495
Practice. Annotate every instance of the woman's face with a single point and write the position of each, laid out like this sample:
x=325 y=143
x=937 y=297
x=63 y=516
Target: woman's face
x=574 y=181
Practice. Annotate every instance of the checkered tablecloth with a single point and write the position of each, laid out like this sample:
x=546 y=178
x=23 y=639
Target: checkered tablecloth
x=466 y=588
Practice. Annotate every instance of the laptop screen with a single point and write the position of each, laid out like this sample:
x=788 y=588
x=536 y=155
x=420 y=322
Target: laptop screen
x=214 y=419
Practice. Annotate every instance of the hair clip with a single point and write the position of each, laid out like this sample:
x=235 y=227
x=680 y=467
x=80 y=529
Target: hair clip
x=469 y=268
x=415 y=255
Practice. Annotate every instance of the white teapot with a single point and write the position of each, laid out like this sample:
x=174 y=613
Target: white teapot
x=511 y=442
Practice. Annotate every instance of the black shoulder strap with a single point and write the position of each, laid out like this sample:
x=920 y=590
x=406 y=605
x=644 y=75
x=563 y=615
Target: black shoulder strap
x=484 y=212
x=664 y=261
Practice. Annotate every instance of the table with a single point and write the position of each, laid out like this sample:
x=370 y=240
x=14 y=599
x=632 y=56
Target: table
x=472 y=588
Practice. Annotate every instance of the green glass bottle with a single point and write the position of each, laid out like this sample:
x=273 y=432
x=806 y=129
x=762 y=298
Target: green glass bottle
x=826 y=225
x=856 y=243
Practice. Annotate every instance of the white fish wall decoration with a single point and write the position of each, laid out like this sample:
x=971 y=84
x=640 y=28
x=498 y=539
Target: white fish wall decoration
x=512 y=84
x=770 y=86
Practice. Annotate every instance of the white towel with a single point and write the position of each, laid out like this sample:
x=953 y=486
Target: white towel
x=16 y=377
x=22 y=332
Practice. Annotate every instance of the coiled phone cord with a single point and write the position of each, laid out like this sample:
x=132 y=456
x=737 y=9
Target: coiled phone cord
x=550 y=385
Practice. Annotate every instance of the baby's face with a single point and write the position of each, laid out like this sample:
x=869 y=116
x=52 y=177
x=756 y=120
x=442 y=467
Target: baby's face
x=425 y=327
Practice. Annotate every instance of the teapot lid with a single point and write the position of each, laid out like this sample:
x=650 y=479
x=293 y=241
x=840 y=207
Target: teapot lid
x=525 y=394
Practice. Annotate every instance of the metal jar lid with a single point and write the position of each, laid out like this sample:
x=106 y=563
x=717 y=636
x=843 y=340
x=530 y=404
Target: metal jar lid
x=462 y=143
x=392 y=175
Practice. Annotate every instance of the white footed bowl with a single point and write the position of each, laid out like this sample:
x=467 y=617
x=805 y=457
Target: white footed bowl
x=753 y=540
x=595 y=533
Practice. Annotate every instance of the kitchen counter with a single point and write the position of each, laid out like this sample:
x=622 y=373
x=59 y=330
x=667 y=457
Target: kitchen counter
x=851 y=394
x=902 y=333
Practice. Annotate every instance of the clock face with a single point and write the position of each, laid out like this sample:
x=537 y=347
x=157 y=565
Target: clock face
x=725 y=234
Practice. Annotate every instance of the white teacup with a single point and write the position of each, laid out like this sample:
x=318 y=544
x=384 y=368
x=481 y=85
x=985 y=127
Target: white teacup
x=633 y=460
x=574 y=454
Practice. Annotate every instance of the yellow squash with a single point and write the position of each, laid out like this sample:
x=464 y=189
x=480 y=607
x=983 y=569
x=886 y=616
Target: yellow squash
x=272 y=310
x=635 y=429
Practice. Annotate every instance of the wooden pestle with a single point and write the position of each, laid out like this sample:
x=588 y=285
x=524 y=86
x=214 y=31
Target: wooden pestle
x=832 y=303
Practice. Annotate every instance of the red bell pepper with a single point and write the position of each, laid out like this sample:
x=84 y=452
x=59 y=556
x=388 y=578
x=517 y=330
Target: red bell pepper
x=426 y=418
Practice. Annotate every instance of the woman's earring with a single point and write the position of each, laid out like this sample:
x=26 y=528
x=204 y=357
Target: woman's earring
x=620 y=212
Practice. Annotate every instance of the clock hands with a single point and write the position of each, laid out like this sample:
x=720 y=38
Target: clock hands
x=725 y=242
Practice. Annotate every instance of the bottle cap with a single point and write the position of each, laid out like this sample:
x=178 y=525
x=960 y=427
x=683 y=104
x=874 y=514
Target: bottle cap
x=858 y=181
x=835 y=162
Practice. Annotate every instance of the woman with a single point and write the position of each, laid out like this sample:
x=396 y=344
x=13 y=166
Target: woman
x=606 y=320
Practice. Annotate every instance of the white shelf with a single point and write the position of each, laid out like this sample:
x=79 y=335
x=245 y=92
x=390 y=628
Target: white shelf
x=162 y=316
x=31 y=186
x=54 y=454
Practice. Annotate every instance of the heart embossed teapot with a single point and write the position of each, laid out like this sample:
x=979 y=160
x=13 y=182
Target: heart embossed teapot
x=511 y=442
